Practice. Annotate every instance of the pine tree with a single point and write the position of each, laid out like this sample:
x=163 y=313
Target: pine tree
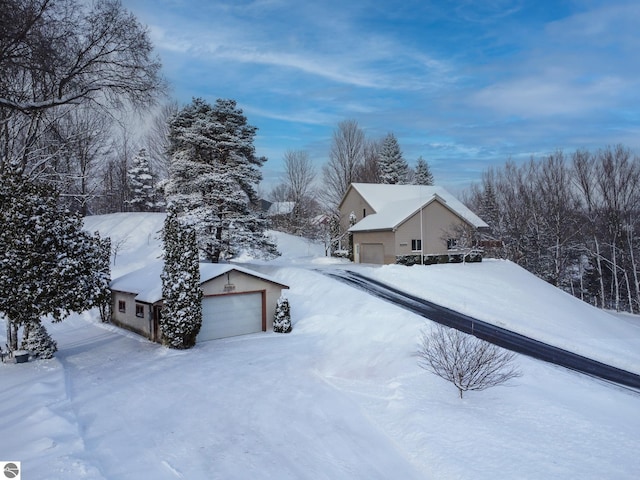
x=48 y=264
x=182 y=312
x=282 y=318
x=423 y=175
x=141 y=184
x=38 y=341
x=393 y=168
x=213 y=176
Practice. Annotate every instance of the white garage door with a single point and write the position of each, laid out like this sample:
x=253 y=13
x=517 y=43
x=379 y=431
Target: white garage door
x=230 y=315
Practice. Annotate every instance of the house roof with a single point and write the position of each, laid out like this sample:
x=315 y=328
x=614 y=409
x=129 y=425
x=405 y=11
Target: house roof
x=147 y=284
x=396 y=203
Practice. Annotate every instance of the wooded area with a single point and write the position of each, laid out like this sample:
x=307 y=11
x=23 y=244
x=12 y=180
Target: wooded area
x=572 y=220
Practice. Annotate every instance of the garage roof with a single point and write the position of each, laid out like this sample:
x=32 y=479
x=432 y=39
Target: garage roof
x=147 y=284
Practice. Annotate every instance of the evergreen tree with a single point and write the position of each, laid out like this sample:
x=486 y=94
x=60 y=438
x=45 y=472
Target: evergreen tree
x=48 y=264
x=182 y=312
x=282 y=318
x=141 y=184
x=213 y=176
x=38 y=341
x=103 y=299
x=393 y=168
x=423 y=175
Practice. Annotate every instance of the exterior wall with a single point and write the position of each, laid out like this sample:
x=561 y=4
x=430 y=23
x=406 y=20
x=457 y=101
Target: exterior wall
x=353 y=202
x=437 y=223
x=128 y=319
x=244 y=283
x=437 y=220
x=386 y=238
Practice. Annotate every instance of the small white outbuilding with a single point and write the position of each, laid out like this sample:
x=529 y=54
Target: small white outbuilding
x=235 y=301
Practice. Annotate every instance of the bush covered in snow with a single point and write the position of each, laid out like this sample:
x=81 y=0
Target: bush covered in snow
x=38 y=341
x=282 y=318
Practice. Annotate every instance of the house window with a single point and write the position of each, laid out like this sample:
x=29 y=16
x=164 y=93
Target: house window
x=364 y=212
x=122 y=306
x=452 y=243
x=416 y=245
x=140 y=311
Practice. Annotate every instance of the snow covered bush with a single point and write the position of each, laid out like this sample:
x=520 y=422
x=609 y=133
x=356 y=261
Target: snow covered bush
x=282 y=318
x=182 y=311
x=464 y=360
x=38 y=341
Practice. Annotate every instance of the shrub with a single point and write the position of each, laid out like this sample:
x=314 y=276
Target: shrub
x=282 y=317
x=464 y=360
x=38 y=341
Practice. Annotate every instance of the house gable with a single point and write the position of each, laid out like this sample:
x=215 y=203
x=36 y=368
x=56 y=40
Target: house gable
x=353 y=201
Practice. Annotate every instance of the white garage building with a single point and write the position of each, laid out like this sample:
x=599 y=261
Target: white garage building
x=236 y=301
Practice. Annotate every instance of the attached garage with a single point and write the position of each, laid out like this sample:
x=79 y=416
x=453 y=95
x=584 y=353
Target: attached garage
x=231 y=315
x=236 y=301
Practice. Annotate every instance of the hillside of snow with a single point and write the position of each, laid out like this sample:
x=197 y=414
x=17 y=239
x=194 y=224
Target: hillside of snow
x=341 y=397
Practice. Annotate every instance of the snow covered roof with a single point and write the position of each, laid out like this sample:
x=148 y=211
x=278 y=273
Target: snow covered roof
x=281 y=208
x=396 y=203
x=147 y=284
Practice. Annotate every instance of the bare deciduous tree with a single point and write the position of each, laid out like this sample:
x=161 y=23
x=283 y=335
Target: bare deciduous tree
x=59 y=55
x=157 y=138
x=345 y=160
x=299 y=174
x=464 y=360
x=71 y=52
x=369 y=172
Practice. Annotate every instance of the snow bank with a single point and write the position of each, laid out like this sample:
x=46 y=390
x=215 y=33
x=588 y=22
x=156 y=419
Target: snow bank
x=341 y=397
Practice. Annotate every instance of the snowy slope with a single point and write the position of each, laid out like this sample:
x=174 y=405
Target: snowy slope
x=341 y=397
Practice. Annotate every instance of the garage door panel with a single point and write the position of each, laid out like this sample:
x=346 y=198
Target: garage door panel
x=230 y=315
x=372 y=253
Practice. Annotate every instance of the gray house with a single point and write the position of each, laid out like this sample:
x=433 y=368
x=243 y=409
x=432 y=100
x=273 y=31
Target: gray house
x=392 y=220
x=236 y=301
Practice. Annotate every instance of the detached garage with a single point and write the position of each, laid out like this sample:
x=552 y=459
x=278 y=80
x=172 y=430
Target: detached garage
x=236 y=301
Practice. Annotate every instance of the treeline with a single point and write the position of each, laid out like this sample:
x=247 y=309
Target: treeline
x=573 y=220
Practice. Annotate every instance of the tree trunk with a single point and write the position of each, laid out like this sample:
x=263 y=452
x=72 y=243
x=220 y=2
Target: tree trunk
x=12 y=335
x=599 y=264
x=616 y=283
x=634 y=268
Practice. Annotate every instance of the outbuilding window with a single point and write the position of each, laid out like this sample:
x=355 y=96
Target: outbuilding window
x=416 y=245
x=139 y=311
x=122 y=306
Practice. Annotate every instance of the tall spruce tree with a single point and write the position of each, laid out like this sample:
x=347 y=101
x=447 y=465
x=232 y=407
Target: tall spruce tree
x=213 y=176
x=393 y=168
x=49 y=266
x=423 y=175
x=182 y=312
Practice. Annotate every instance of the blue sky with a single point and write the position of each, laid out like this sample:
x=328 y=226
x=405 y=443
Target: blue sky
x=464 y=84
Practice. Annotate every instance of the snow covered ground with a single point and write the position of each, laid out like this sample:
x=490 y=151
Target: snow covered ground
x=341 y=397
